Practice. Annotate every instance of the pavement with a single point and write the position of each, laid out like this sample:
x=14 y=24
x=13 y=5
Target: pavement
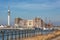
x=57 y=38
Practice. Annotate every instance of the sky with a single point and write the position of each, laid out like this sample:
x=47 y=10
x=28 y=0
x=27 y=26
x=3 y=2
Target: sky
x=29 y=9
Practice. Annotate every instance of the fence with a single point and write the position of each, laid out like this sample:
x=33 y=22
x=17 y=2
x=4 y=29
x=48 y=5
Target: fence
x=17 y=34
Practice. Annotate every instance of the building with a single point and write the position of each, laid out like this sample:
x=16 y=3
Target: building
x=17 y=21
x=23 y=23
x=34 y=23
x=38 y=22
x=30 y=23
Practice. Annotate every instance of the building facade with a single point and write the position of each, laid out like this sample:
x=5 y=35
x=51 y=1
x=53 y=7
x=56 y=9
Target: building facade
x=36 y=22
x=17 y=22
x=30 y=23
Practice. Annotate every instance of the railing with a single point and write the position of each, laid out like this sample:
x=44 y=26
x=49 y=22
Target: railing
x=15 y=34
x=20 y=34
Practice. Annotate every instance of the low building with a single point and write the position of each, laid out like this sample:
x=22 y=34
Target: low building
x=1 y=26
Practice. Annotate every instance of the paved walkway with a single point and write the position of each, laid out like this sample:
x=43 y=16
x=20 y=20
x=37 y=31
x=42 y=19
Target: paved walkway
x=57 y=38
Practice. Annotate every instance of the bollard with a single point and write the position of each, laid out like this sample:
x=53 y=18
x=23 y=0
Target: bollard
x=22 y=34
x=15 y=35
x=11 y=35
x=30 y=33
x=2 y=35
x=19 y=35
x=25 y=33
x=7 y=36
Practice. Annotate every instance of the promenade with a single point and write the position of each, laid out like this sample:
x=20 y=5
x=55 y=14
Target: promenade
x=52 y=36
x=17 y=33
x=21 y=33
x=27 y=34
x=57 y=38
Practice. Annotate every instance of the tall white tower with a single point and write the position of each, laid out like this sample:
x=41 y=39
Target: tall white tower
x=8 y=16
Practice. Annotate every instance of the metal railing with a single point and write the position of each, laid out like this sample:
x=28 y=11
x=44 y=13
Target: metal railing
x=17 y=34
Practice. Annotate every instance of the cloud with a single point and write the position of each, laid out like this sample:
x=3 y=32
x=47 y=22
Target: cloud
x=37 y=6
x=34 y=4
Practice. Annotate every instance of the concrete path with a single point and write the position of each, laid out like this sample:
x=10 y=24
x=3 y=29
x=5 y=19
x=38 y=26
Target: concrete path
x=57 y=38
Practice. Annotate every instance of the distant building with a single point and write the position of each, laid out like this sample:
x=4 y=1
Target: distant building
x=23 y=23
x=17 y=21
x=30 y=23
x=37 y=22
x=50 y=25
x=1 y=26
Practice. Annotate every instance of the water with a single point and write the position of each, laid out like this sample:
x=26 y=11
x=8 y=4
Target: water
x=23 y=33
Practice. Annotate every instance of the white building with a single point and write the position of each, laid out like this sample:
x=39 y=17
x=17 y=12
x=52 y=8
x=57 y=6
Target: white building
x=1 y=26
x=30 y=23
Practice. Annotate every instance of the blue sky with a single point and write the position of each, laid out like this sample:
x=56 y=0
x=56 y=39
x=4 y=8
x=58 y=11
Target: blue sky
x=29 y=9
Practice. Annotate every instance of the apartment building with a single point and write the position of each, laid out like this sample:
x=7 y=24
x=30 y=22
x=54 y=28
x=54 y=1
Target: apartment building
x=36 y=22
